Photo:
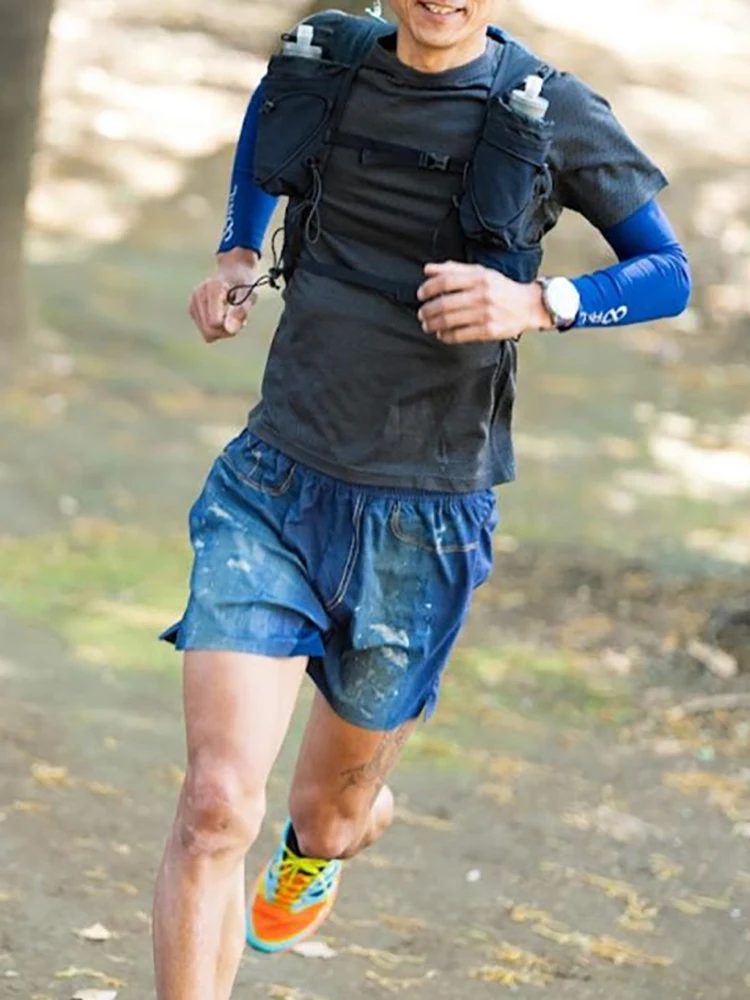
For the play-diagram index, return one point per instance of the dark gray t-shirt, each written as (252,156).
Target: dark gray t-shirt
(353,387)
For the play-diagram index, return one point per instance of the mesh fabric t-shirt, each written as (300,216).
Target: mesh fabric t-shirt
(353,387)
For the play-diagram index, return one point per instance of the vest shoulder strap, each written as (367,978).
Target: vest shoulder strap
(515,64)
(346,38)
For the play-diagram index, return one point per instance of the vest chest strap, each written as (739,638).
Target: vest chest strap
(378,152)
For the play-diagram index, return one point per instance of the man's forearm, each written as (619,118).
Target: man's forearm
(249,209)
(651,281)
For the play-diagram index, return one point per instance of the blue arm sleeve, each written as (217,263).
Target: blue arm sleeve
(250,209)
(651,281)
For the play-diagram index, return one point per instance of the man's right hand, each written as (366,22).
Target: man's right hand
(210,311)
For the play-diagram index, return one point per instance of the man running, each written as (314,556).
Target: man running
(343,532)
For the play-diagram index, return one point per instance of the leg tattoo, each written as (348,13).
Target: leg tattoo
(374,771)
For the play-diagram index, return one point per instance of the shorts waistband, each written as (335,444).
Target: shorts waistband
(371,490)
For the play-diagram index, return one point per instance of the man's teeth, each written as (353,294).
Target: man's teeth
(438,8)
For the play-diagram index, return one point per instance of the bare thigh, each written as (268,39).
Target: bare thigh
(237,712)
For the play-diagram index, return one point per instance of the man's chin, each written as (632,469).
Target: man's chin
(439,39)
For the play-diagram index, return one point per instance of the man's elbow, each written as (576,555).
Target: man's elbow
(683,282)
(678,282)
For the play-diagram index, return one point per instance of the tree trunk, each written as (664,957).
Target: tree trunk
(24,27)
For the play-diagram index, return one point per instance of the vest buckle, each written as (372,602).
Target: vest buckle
(434,161)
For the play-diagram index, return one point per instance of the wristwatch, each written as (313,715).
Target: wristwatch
(562,301)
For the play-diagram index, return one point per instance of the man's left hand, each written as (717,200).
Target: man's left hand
(466,303)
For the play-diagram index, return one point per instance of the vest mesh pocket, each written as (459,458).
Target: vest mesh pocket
(299,97)
(508,173)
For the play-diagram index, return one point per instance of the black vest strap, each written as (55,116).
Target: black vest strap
(378,152)
(399,291)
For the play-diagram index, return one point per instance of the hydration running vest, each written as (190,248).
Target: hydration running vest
(505,180)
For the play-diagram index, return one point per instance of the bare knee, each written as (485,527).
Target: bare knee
(326,829)
(220,811)
(323,828)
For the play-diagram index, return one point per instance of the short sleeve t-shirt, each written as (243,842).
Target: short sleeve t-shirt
(353,387)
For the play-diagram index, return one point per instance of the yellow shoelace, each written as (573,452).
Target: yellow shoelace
(295,877)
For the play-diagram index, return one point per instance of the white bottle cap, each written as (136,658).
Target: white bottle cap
(529,102)
(302,44)
(305,33)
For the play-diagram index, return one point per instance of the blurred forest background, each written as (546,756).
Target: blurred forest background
(578,815)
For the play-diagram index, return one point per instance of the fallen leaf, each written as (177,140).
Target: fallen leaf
(727,793)
(622,827)
(96,873)
(521,914)
(424,822)
(711,903)
(382,958)
(604,947)
(49,776)
(391,985)
(73,972)
(639,912)
(314,949)
(102,788)
(620,953)
(277,991)
(95,995)
(501,975)
(688,907)
(127,887)
(22,806)
(518,968)
(664,869)
(403,925)
(97,932)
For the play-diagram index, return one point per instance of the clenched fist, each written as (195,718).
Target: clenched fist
(466,303)
(210,306)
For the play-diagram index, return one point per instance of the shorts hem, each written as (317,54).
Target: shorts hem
(425,711)
(269,646)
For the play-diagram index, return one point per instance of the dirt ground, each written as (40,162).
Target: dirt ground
(556,829)
(575,822)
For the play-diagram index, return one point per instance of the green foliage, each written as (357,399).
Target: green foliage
(107,589)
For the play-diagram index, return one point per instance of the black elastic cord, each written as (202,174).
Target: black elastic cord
(240,293)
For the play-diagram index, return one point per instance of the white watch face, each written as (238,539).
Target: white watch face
(563,299)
